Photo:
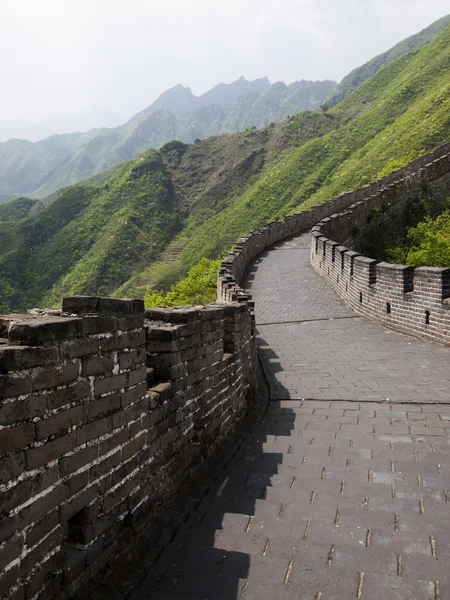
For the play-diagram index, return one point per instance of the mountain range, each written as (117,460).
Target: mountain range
(38,169)
(34,131)
(143,224)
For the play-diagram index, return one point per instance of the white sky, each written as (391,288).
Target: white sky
(79,56)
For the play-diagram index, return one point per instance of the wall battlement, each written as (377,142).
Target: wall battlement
(411,300)
(433,166)
(106,412)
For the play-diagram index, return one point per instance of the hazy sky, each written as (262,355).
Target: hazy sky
(77,56)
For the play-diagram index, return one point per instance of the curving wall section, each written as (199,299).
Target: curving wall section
(411,300)
(107,412)
(433,167)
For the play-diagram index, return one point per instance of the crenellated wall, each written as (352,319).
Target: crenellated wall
(411,300)
(433,167)
(106,412)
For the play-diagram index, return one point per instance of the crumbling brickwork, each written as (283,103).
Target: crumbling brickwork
(106,412)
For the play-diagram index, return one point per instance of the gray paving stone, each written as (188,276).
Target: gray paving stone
(344,490)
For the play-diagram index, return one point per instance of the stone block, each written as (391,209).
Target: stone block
(15,385)
(13,358)
(42,455)
(101,305)
(67,395)
(34,332)
(59,423)
(22,410)
(103,405)
(10,551)
(53,377)
(12,466)
(97,366)
(40,529)
(77,460)
(15,438)
(79,348)
(110,384)
(93,430)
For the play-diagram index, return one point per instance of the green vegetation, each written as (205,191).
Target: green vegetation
(363,73)
(90,238)
(426,244)
(400,113)
(15,210)
(141,226)
(198,287)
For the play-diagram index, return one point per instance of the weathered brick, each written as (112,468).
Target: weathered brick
(12,466)
(40,456)
(103,405)
(14,438)
(10,551)
(105,466)
(78,459)
(74,561)
(114,440)
(137,338)
(36,331)
(133,322)
(79,348)
(22,410)
(46,504)
(110,384)
(59,423)
(37,531)
(137,376)
(102,305)
(97,365)
(58,535)
(133,395)
(13,358)
(7,580)
(93,430)
(72,393)
(74,505)
(117,341)
(15,385)
(133,447)
(132,357)
(94,324)
(48,378)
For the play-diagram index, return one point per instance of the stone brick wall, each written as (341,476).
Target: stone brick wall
(413,301)
(106,412)
(434,166)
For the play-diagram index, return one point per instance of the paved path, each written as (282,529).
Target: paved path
(318,348)
(328,499)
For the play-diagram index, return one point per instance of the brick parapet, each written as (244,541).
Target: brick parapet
(434,166)
(106,412)
(413,301)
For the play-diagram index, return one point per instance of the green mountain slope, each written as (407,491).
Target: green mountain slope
(143,224)
(361,74)
(90,237)
(23,164)
(400,113)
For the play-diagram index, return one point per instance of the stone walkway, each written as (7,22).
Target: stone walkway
(344,494)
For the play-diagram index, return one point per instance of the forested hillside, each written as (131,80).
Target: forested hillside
(143,224)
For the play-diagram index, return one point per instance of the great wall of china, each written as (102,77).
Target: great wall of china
(109,411)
